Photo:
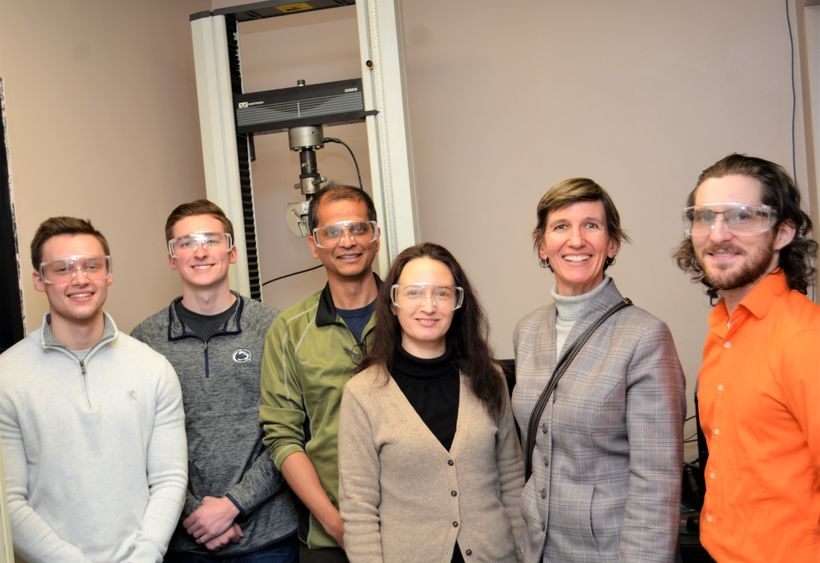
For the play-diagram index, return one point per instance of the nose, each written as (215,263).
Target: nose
(428,303)
(347,239)
(200,251)
(575,238)
(719,230)
(79,275)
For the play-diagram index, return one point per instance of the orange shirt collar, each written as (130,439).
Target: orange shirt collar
(758,301)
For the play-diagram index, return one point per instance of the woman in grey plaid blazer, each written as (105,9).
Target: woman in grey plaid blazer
(606,465)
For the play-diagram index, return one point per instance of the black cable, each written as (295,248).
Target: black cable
(794,92)
(361,187)
(353,156)
(291,274)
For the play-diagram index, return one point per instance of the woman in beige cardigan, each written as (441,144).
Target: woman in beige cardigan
(430,466)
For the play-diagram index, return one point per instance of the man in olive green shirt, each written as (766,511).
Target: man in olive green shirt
(311,351)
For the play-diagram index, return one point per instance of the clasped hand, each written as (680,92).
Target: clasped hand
(212,524)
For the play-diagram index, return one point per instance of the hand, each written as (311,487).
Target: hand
(212,519)
(234,534)
(335,528)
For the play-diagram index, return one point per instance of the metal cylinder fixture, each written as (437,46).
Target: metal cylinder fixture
(305,137)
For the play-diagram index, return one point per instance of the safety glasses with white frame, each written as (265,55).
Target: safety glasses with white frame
(362,232)
(186,245)
(741,219)
(63,270)
(413,296)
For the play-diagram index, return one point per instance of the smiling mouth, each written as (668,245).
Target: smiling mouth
(576,258)
(352,256)
(722,253)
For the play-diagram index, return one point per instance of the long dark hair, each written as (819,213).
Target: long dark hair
(467,336)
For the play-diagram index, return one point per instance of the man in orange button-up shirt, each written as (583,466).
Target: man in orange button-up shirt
(759,384)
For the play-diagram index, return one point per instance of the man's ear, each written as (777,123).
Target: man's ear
(39,284)
(785,235)
(313,247)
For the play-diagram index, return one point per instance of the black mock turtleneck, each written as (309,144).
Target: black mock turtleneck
(431,386)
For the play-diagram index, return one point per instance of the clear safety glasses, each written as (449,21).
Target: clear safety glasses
(65,269)
(362,232)
(415,295)
(740,219)
(188,244)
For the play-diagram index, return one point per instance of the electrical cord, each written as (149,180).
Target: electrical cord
(794,90)
(292,274)
(353,156)
(361,187)
(812,289)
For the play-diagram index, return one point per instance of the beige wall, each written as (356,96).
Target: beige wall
(508,98)
(505,99)
(102,124)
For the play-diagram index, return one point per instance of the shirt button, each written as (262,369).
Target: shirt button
(543,493)
(709,518)
(450,462)
(546,461)
(544,427)
(720,387)
(727,344)
(455,524)
(543,527)
(468,553)
(453,494)
(712,475)
(716,431)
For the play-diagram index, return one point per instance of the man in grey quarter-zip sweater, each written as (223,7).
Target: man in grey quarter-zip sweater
(237,504)
(91,420)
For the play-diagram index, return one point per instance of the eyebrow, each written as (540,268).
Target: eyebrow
(583,220)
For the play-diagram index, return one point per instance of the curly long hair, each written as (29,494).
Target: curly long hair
(467,336)
(779,192)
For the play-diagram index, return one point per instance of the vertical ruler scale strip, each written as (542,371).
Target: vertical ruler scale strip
(243,142)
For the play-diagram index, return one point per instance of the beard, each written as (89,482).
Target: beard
(757,264)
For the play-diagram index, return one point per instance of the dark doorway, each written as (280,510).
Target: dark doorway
(11,311)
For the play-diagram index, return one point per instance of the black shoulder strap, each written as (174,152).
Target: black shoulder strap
(560,368)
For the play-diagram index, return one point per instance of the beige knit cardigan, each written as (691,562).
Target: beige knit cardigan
(403,497)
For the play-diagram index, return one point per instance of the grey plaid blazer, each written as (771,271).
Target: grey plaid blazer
(608,455)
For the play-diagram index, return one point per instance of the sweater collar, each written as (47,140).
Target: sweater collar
(573,307)
(326,312)
(177,329)
(422,368)
(48,340)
